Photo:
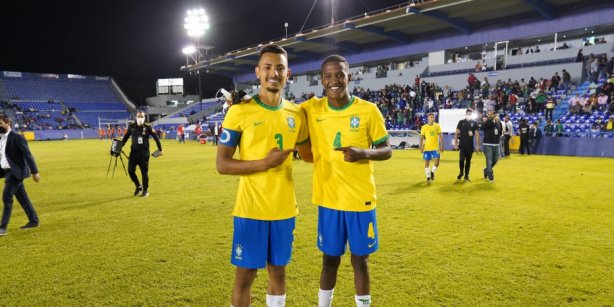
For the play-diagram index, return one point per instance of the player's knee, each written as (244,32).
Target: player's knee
(360,263)
(330,262)
(245,278)
(277,272)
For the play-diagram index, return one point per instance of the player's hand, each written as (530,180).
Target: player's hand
(36,177)
(276,157)
(455,147)
(352,154)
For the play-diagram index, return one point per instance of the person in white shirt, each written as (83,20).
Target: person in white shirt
(508,132)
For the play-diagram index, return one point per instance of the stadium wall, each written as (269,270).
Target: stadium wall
(47,135)
(573,146)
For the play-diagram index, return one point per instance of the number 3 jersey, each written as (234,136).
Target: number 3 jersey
(257,128)
(337,184)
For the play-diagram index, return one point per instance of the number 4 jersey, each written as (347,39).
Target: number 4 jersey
(340,185)
(257,128)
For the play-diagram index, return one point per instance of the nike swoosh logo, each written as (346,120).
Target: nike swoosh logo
(371,244)
(257,123)
(320,119)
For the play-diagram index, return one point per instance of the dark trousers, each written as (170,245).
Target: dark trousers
(506,144)
(524,146)
(14,187)
(549,114)
(143,163)
(464,163)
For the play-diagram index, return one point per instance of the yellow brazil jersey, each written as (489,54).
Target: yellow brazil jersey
(266,195)
(340,185)
(431,135)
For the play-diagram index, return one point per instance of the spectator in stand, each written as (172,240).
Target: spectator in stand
(550,105)
(549,129)
(602,101)
(596,127)
(554,82)
(566,80)
(603,61)
(472,81)
(609,125)
(587,66)
(540,100)
(559,128)
(594,67)
(610,67)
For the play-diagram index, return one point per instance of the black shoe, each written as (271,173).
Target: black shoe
(459,176)
(138,190)
(485,175)
(145,193)
(29,225)
(428,179)
(433,176)
(491,179)
(2,231)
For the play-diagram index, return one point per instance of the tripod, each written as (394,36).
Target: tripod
(121,159)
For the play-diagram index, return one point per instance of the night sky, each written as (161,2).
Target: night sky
(138,41)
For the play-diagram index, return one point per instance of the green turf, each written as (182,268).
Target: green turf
(541,235)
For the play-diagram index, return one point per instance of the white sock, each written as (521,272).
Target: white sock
(428,172)
(434,168)
(362,300)
(275,300)
(325,297)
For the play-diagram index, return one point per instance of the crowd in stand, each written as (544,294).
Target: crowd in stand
(34,119)
(404,106)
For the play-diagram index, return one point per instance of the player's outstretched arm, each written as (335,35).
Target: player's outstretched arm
(227,165)
(353,154)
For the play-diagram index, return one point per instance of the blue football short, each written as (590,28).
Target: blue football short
(256,242)
(430,155)
(337,228)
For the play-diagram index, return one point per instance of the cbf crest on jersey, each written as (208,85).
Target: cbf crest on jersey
(291,122)
(354,121)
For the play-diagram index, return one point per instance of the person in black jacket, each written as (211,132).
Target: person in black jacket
(139,151)
(466,132)
(16,164)
(492,133)
(523,129)
(535,134)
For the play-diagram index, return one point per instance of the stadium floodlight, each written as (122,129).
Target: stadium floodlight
(196,22)
(189,50)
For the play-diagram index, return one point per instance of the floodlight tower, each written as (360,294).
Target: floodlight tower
(196,23)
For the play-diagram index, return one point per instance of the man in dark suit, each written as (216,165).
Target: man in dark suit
(16,164)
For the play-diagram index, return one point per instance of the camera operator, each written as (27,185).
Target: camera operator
(139,151)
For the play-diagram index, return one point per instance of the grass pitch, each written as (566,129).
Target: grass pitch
(541,235)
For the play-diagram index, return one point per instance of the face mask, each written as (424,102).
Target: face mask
(140,121)
(468,117)
(3,130)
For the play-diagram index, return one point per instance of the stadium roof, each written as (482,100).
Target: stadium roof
(400,25)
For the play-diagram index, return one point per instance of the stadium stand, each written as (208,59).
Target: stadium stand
(56,102)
